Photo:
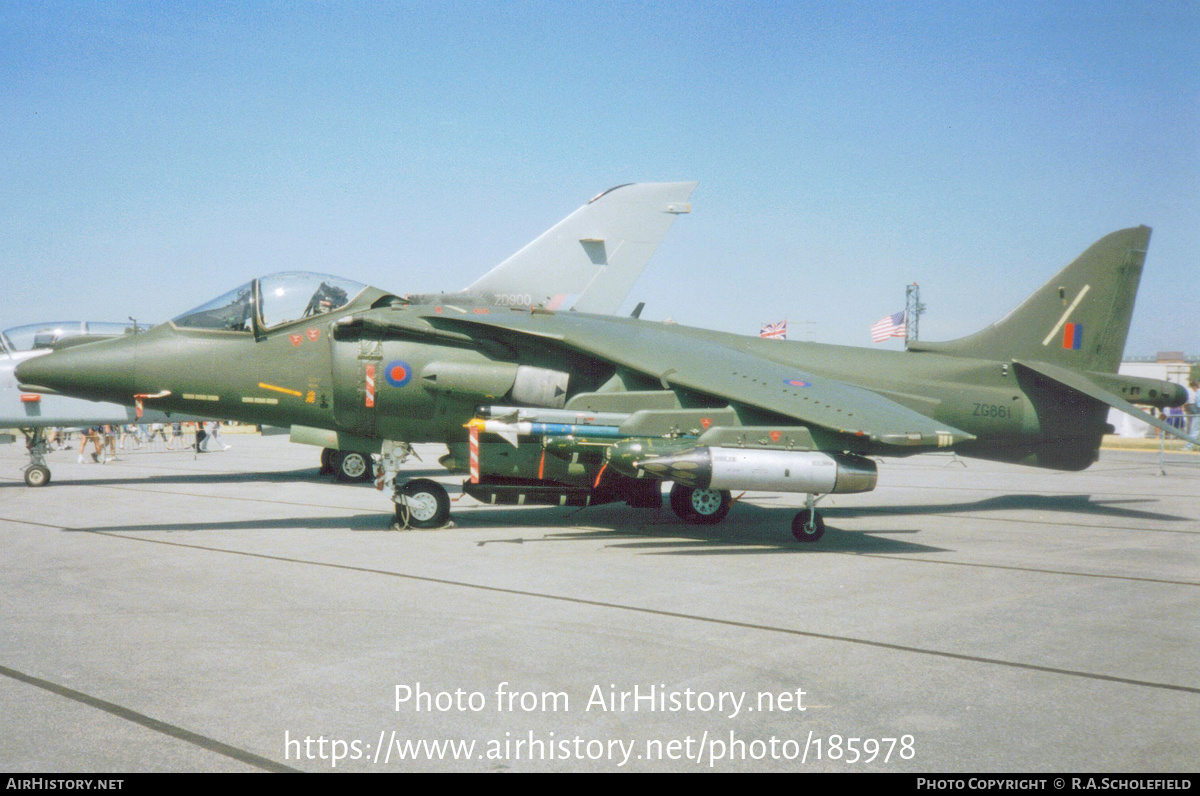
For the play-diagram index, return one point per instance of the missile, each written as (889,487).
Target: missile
(540,415)
(510,430)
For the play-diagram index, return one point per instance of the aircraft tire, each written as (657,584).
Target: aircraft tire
(37,475)
(802,532)
(700,506)
(351,466)
(425,502)
(326,461)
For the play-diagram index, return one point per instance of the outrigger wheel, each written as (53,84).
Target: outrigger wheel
(422,503)
(37,475)
(700,506)
(806,531)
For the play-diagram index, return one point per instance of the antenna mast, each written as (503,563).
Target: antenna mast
(913,308)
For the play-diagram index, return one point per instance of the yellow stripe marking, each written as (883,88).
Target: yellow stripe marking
(283,390)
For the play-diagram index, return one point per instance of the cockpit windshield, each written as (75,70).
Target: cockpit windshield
(297,294)
(231,312)
(284,298)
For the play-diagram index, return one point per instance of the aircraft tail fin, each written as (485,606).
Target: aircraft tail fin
(590,260)
(1078,320)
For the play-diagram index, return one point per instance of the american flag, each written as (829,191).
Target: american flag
(774,331)
(889,326)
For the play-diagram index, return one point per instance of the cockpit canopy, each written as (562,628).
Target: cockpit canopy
(272,301)
(45,335)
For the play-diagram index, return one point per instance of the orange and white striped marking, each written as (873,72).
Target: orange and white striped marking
(473,437)
(370,386)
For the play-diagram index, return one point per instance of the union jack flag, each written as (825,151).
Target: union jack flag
(774,331)
(888,326)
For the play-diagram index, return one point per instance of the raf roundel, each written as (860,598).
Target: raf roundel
(398,373)
(796,383)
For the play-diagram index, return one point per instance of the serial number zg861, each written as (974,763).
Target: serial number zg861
(991,410)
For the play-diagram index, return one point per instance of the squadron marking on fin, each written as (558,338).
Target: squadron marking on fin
(1066,314)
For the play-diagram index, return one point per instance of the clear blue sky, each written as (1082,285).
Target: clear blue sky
(154,155)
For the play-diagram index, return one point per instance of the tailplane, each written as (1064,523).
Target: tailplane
(1078,320)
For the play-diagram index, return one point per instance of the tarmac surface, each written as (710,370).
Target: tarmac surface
(234,611)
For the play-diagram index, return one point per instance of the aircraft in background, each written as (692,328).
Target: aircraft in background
(32,413)
(570,408)
(588,261)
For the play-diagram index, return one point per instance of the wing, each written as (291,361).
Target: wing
(713,364)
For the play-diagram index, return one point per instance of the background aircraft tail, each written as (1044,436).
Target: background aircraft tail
(590,260)
(1078,320)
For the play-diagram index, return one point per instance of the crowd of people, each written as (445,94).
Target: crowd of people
(105,440)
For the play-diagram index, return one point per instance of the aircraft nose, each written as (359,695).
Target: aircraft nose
(100,371)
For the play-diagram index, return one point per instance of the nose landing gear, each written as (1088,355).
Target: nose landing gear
(36,473)
(420,503)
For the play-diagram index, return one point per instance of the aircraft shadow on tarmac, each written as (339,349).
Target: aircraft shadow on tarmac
(754,531)
(1067,504)
(749,529)
(768,538)
(355,522)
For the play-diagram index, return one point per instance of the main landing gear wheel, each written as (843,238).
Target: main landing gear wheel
(422,503)
(803,530)
(326,461)
(700,506)
(351,466)
(37,475)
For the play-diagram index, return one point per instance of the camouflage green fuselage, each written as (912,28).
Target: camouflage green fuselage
(366,373)
(382,368)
